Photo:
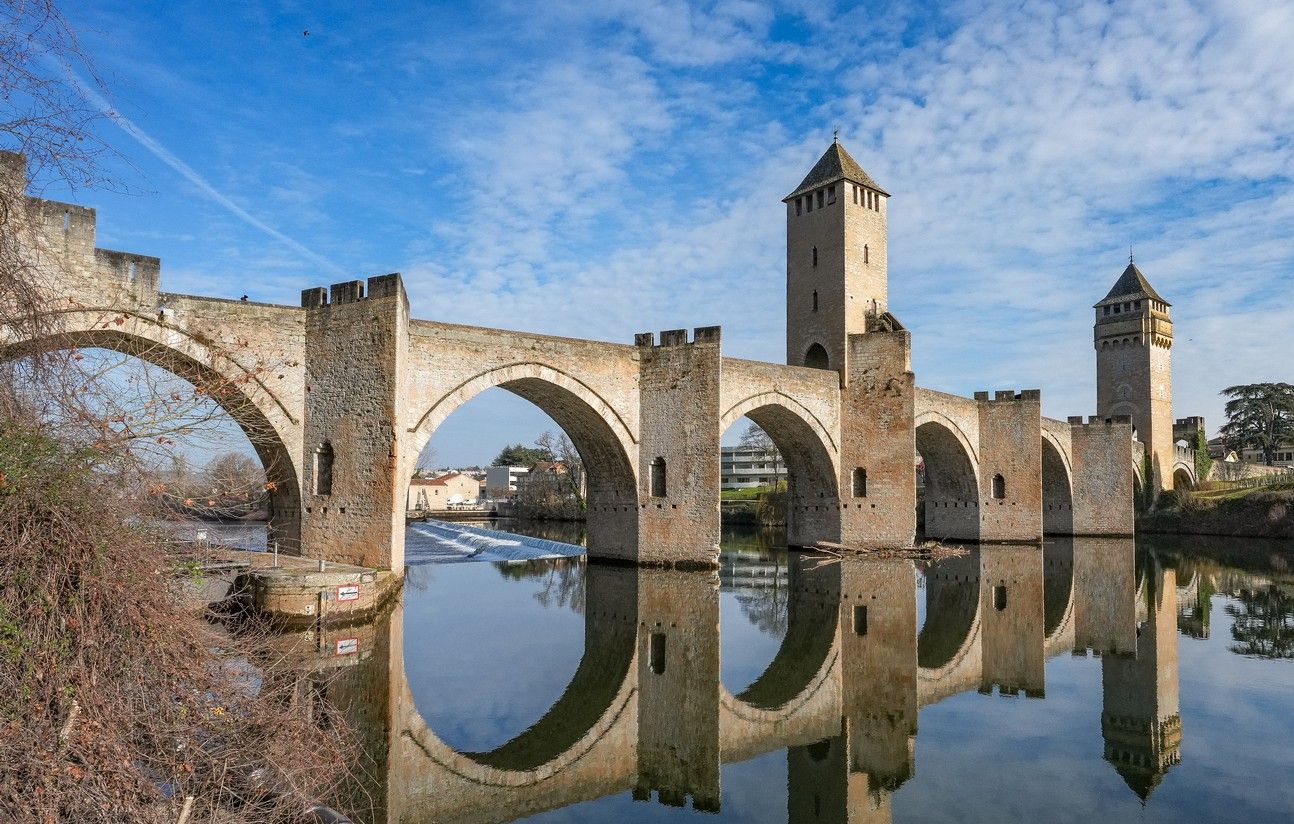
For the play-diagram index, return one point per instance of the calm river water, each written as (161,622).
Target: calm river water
(1088,680)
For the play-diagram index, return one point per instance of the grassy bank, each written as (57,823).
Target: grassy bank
(1266,512)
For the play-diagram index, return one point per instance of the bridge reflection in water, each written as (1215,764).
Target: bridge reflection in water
(646,710)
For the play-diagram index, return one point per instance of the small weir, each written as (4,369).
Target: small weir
(433,541)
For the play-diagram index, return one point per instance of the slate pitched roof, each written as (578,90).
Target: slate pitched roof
(835,164)
(1131,284)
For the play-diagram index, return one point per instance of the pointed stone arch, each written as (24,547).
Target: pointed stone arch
(269,415)
(811,456)
(606,443)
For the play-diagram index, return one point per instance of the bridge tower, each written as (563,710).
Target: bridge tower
(1133,335)
(836,261)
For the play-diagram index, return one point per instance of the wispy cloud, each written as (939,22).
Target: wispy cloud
(192,176)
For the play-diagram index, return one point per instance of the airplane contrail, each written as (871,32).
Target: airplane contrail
(190,174)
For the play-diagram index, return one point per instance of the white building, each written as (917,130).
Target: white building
(503,481)
(744,468)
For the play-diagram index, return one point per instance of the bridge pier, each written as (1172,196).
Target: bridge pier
(1103,482)
(877,442)
(678,455)
(1010,434)
(356,346)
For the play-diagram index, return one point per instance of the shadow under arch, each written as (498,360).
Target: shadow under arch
(1057,490)
(809,451)
(603,440)
(1182,478)
(264,418)
(581,725)
(951,498)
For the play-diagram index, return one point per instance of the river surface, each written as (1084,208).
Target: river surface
(1086,680)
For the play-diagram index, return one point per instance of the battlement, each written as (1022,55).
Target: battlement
(1006,395)
(353,291)
(1097,420)
(678,337)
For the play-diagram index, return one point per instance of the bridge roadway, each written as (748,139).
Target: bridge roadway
(340,394)
(646,709)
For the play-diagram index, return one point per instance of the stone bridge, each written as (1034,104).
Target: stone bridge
(646,709)
(340,394)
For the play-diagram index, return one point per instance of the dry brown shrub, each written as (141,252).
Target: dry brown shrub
(112,697)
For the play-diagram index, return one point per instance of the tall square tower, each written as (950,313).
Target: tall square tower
(1133,335)
(836,260)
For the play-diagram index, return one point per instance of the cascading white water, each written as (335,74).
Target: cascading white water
(438,541)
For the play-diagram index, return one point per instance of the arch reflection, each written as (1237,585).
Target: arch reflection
(646,712)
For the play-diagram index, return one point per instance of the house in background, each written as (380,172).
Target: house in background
(439,493)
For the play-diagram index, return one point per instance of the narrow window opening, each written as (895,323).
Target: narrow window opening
(815,300)
(808,202)
(820,197)
(865,253)
(815,255)
(656,655)
(67,221)
(132,272)
(860,620)
(323,460)
(999,487)
(799,206)
(999,597)
(860,483)
(831,194)
(658,478)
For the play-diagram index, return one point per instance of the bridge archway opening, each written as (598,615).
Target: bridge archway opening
(575,464)
(1057,492)
(947,484)
(816,357)
(775,451)
(1182,479)
(214,452)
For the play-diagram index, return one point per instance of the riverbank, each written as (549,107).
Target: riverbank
(1241,513)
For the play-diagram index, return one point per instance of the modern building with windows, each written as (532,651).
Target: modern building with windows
(745,468)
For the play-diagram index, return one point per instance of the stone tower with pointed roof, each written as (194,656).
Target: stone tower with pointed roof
(1133,335)
(836,262)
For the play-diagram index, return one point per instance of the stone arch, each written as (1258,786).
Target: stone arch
(1183,476)
(605,442)
(951,495)
(270,422)
(1057,489)
(811,456)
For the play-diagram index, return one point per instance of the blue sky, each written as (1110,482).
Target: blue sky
(595,170)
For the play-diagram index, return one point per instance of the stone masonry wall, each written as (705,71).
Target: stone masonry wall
(1011,446)
(679,425)
(876,436)
(355,356)
(1103,484)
